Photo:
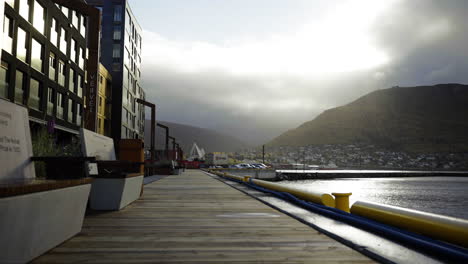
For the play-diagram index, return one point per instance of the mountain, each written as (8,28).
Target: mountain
(415,119)
(185,135)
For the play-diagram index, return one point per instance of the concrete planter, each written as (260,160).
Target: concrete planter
(32,224)
(115,193)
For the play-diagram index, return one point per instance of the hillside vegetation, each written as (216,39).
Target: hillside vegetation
(416,119)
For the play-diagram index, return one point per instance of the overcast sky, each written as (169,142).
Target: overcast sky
(256,68)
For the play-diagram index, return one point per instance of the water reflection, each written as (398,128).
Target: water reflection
(440,195)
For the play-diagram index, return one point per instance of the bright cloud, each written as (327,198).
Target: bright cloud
(339,43)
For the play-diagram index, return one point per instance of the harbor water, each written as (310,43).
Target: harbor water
(440,195)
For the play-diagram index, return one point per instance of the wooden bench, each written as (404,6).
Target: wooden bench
(36,215)
(116,183)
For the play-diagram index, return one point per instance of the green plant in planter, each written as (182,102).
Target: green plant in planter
(45,145)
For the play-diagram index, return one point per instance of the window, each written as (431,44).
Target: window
(4,79)
(34,100)
(78,114)
(61,73)
(71,81)
(24,9)
(54,32)
(128,21)
(39,17)
(117,13)
(70,110)
(81,56)
(64,10)
(60,104)
(36,55)
(52,66)
(79,92)
(83,26)
(117,32)
(21,47)
(19,87)
(7,34)
(50,101)
(116,51)
(73,50)
(126,75)
(11,3)
(75,19)
(63,41)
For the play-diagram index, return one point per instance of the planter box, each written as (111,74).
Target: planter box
(31,224)
(115,193)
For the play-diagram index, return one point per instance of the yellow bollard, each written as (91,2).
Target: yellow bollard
(342,201)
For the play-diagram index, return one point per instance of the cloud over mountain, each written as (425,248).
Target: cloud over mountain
(256,88)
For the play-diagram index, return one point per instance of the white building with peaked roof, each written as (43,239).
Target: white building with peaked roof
(196,152)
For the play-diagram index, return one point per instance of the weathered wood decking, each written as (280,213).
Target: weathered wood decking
(194,218)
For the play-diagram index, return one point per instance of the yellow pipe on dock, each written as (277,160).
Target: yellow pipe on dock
(445,228)
(315,197)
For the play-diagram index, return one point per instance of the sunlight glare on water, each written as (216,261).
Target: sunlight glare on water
(439,195)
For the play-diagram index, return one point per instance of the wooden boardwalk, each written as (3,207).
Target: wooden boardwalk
(193,218)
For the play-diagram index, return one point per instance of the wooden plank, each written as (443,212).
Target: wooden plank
(193,218)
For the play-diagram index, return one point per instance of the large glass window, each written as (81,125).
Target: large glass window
(83,26)
(75,19)
(116,51)
(19,87)
(52,66)
(60,104)
(117,13)
(24,9)
(64,11)
(50,101)
(4,79)
(21,47)
(78,114)
(54,32)
(117,32)
(36,55)
(81,56)
(128,21)
(39,17)
(34,100)
(79,81)
(125,77)
(63,41)
(71,81)
(7,34)
(73,50)
(61,73)
(70,110)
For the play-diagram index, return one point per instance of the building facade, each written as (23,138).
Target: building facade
(121,44)
(43,62)
(104,102)
(216,158)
